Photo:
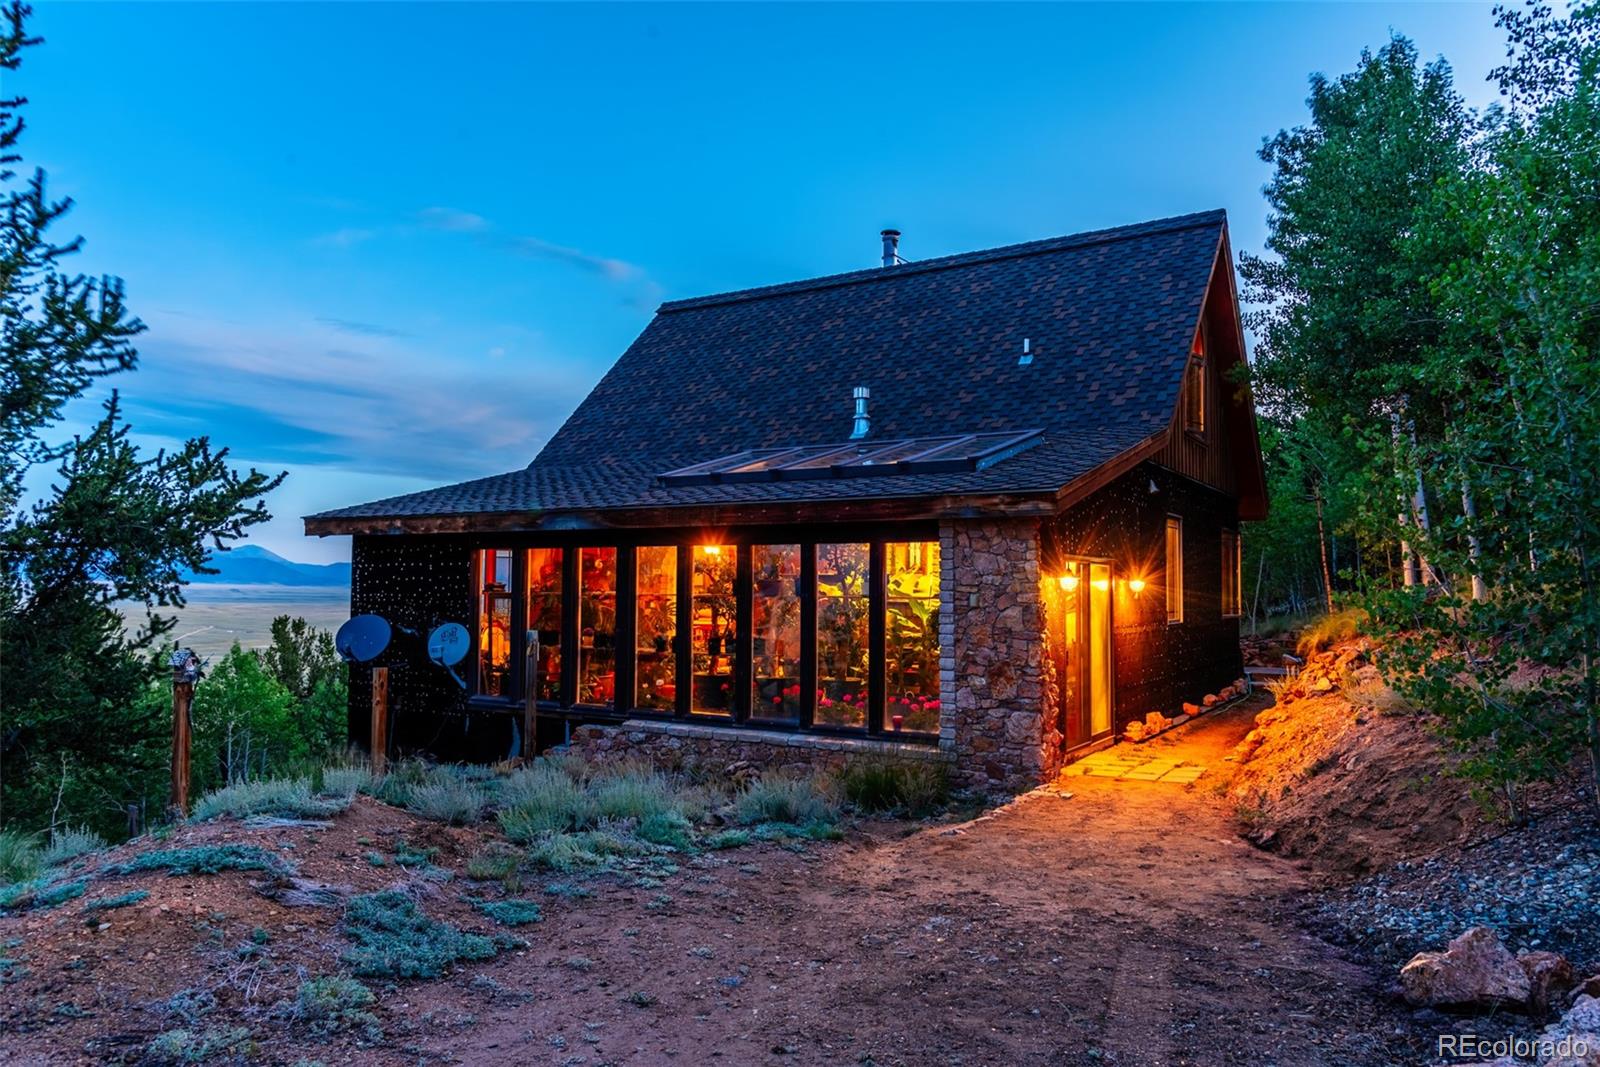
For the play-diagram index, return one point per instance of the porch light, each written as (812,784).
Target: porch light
(1069,582)
(1135,586)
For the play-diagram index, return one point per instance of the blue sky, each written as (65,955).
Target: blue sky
(384,247)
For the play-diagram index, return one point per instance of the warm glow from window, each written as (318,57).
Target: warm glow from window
(1102,584)
(711,550)
(1174,564)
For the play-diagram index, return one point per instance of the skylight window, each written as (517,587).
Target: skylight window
(857,459)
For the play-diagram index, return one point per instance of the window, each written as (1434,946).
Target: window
(494,622)
(713,621)
(544,619)
(843,615)
(775,632)
(1174,569)
(597,626)
(655,629)
(1232,594)
(912,637)
(1194,389)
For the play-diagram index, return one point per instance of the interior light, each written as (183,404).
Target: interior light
(711,550)
(1068,582)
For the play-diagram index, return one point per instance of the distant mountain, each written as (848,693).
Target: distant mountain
(254,565)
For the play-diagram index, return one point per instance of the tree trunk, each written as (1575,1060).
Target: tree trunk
(1469,509)
(1408,560)
(1322,546)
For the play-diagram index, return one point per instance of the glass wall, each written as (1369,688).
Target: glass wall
(843,615)
(911,657)
(494,622)
(775,628)
(713,621)
(597,626)
(544,618)
(655,627)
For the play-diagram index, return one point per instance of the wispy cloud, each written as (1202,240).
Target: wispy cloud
(363,329)
(451,220)
(347,237)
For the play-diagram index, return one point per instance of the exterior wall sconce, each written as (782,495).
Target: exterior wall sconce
(1069,582)
(1135,586)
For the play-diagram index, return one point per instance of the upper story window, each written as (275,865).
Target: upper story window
(1194,388)
(1174,569)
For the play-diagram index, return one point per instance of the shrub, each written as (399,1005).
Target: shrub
(187,1046)
(513,912)
(785,798)
(405,775)
(121,900)
(345,781)
(205,859)
(394,939)
(336,1003)
(1329,630)
(633,793)
(283,797)
(541,799)
(493,863)
(447,800)
(728,839)
(560,852)
(40,893)
(667,828)
(19,856)
(918,789)
(69,844)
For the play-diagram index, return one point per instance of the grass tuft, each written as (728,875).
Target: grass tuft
(205,859)
(287,798)
(917,789)
(69,844)
(513,912)
(1329,630)
(19,856)
(786,799)
(394,939)
(448,800)
(122,900)
(189,1046)
(335,1004)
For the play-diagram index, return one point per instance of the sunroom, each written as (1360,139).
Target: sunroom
(837,636)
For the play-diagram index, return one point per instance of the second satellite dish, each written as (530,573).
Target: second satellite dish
(448,645)
(362,638)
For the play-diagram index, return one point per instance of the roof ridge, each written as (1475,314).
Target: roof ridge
(1170,224)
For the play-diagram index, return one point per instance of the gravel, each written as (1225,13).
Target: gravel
(1538,887)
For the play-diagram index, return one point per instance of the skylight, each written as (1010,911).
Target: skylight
(949,453)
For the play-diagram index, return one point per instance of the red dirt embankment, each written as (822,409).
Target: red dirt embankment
(1341,772)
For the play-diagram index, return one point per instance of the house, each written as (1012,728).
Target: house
(981,509)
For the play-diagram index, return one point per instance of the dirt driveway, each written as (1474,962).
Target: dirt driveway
(1123,924)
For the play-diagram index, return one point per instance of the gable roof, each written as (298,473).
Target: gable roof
(1109,315)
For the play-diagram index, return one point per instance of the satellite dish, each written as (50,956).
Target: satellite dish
(362,638)
(447,645)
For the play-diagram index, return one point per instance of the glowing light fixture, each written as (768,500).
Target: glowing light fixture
(711,550)
(1068,582)
(1136,586)
(1102,584)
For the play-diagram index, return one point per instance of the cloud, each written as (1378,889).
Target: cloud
(452,221)
(348,237)
(364,329)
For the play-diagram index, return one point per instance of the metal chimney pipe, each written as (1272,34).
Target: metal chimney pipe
(891,247)
(863,421)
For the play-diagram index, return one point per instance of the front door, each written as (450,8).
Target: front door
(1078,609)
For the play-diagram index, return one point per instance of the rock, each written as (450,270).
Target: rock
(1135,731)
(1549,975)
(1575,1040)
(1589,987)
(1191,709)
(1475,971)
(1321,685)
(1211,700)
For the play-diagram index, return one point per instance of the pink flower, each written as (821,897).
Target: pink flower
(777,700)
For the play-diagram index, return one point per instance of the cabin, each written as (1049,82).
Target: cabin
(982,509)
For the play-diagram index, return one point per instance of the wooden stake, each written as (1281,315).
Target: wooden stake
(380,719)
(530,697)
(182,698)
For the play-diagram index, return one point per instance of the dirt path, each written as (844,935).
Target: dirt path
(1125,924)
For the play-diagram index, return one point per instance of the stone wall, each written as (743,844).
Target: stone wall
(996,682)
(676,745)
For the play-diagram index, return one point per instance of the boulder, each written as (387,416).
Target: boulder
(1589,987)
(1475,971)
(1191,709)
(1575,1040)
(1211,700)
(1134,731)
(1549,975)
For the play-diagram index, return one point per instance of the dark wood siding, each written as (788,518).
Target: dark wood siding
(1204,457)
(1157,666)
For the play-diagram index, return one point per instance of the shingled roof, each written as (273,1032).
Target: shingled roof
(1109,315)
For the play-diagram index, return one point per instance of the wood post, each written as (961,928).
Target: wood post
(380,720)
(182,699)
(530,696)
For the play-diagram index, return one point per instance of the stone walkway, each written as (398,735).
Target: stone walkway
(1138,763)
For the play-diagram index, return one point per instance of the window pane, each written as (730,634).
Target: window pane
(544,618)
(494,622)
(912,666)
(713,618)
(597,626)
(655,626)
(1230,573)
(1174,568)
(842,640)
(1099,648)
(775,679)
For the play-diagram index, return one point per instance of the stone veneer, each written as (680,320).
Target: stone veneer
(995,679)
